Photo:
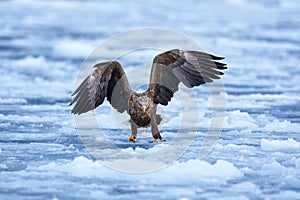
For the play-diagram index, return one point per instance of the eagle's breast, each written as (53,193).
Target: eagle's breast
(141,118)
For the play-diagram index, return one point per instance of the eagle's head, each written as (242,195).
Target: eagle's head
(143,103)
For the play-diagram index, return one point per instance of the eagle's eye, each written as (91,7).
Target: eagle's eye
(143,104)
(140,104)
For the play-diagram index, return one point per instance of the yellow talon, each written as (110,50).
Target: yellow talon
(131,138)
(155,140)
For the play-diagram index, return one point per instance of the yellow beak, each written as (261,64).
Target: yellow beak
(144,109)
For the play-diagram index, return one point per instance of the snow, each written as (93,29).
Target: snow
(297,163)
(278,145)
(44,155)
(12,101)
(240,120)
(285,125)
(221,171)
(73,48)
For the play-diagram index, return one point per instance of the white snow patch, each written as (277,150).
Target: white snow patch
(73,48)
(276,145)
(239,120)
(263,119)
(3,166)
(237,2)
(198,169)
(246,187)
(178,193)
(291,4)
(106,121)
(288,194)
(276,169)
(183,172)
(273,168)
(52,107)
(12,101)
(282,126)
(297,163)
(30,118)
(31,61)
(38,66)
(140,165)
(175,123)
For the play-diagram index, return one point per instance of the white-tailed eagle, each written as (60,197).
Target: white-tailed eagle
(108,79)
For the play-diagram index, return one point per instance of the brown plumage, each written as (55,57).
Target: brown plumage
(108,79)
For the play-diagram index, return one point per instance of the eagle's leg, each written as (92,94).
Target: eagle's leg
(155,132)
(133,131)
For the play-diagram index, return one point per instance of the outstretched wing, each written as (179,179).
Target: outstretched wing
(192,68)
(107,80)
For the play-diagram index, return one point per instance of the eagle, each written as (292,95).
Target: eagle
(108,80)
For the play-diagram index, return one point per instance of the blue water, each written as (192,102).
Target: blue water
(257,156)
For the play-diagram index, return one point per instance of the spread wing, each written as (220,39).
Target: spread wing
(107,80)
(192,68)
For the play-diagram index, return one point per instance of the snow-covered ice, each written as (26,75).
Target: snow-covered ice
(277,145)
(257,155)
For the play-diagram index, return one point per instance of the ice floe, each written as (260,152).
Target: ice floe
(280,145)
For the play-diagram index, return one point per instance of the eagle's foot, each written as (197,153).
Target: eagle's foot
(157,137)
(156,140)
(131,138)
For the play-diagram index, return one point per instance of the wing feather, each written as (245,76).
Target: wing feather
(108,80)
(192,68)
